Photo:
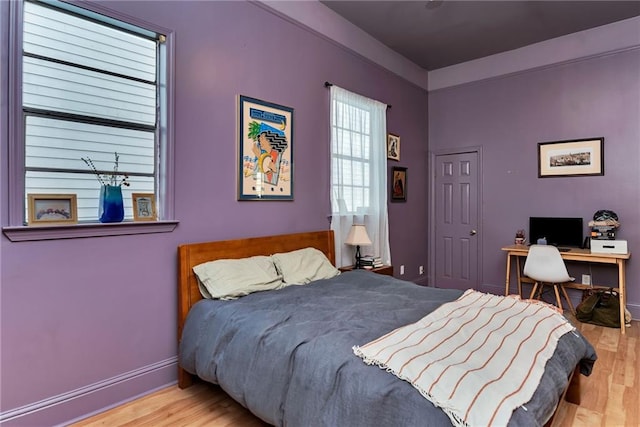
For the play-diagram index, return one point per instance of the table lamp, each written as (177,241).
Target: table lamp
(358,236)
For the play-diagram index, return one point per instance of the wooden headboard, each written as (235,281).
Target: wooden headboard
(192,254)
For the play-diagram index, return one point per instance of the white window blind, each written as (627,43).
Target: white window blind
(90,89)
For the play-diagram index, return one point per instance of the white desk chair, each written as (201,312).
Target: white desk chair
(545,265)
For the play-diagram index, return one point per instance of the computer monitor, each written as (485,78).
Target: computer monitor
(562,232)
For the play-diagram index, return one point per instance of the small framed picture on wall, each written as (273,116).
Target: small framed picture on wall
(399,184)
(393,147)
(580,157)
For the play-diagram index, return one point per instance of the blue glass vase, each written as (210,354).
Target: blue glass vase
(111,207)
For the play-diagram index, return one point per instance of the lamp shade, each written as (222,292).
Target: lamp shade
(358,236)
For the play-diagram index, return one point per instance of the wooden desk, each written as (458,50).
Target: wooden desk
(580,255)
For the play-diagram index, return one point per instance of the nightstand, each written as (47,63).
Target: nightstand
(385,269)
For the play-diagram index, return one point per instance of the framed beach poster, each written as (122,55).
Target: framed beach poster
(265,150)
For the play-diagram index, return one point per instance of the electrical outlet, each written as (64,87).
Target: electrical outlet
(586,279)
(402,270)
(421,270)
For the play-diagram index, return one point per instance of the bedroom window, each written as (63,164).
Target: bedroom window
(358,172)
(88,86)
(351,156)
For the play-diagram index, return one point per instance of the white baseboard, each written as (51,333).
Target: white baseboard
(80,403)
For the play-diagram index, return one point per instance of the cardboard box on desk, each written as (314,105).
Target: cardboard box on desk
(609,246)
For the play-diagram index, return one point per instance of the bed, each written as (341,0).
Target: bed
(288,355)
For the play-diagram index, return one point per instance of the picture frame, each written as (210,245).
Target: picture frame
(265,150)
(579,157)
(393,147)
(399,184)
(144,206)
(52,209)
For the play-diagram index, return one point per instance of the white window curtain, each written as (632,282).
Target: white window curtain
(359,173)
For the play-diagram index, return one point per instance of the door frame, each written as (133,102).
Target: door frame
(431,227)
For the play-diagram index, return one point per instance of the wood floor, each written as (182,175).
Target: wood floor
(610,396)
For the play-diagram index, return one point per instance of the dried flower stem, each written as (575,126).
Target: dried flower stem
(89,163)
(109,178)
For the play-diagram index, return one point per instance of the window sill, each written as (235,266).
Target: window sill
(76,231)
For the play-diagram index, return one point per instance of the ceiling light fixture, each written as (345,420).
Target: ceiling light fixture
(432,4)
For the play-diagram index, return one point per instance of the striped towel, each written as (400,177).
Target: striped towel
(478,357)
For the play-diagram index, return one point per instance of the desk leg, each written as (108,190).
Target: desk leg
(519,276)
(506,288)
(623,294)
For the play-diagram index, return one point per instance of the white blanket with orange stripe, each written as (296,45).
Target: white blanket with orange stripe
(478,357)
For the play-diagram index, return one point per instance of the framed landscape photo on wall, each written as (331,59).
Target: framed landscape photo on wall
(580,157)
(265,150)
(49,209)
(393,147)
(399,184)
(144,206)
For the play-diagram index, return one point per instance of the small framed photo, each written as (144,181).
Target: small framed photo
(393,147)
(144,206)
(47,209)
(399,184)
(580,157)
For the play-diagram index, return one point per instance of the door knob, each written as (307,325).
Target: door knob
(473,233)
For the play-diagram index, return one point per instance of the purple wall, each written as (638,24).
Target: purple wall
(508,116)
(101,312)
(96,317)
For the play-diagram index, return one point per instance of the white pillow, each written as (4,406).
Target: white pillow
(303,266)
(233,278)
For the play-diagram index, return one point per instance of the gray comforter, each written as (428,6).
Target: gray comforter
(287,355)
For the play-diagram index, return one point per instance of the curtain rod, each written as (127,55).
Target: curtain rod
(328,84)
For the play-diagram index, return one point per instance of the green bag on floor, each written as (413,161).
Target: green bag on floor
(601,308)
